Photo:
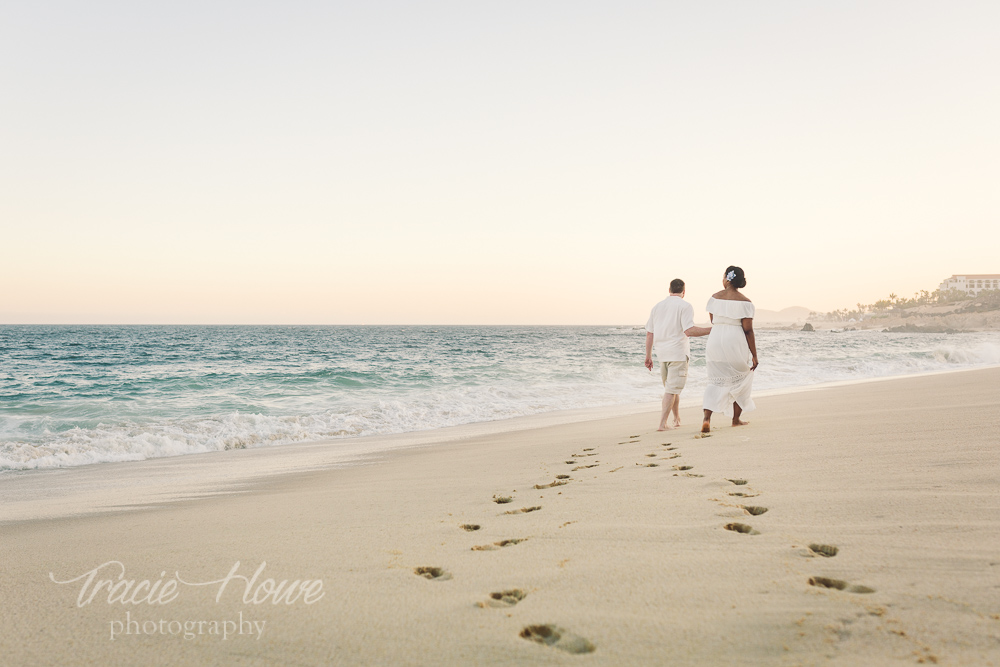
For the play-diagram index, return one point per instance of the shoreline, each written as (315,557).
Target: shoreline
(111,487)
(160,418)
(629,555)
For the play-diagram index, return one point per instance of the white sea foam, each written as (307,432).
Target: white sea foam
(554,376)
(136,441)
(985,354)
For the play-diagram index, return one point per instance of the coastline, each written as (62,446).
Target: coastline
(632,560)
(110,487)
(83,406)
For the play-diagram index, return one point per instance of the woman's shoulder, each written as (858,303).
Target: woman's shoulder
(725,296)
(739,308)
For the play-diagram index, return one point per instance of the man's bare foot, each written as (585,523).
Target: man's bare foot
(737,422)
(706,427)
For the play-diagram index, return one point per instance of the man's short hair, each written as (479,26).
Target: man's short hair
(676,286)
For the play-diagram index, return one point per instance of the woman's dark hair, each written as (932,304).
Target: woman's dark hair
(739,281)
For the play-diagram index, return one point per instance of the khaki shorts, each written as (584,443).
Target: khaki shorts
(674,375)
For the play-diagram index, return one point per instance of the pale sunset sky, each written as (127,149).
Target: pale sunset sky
(488,163)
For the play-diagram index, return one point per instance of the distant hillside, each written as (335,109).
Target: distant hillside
(931,312)
(784,316)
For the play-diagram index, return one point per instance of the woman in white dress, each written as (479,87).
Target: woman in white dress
(731,351)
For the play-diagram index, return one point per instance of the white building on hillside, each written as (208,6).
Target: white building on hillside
(972,284)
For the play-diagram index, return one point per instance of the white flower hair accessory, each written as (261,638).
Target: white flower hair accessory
(730,276)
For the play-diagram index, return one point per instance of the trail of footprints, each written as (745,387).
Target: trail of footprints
(823,550)
(548,634)
(559,638)
(545,634)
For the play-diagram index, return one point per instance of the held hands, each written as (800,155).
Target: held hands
(649,362)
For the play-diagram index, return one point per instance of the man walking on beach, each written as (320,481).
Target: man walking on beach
(670,324)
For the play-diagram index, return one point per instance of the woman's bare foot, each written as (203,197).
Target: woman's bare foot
(737,422)
(706,422)
(664,427)
(677,423)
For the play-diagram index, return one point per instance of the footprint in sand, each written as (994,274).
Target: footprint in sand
(432,573)
(754,510)
(563,477)
(500,544)
(825,550)
(558,482)
(588,449)
(737,482)
(648,465)
(741,528)
(670,449)
(504,598)
(511,542)
(740,494)
(556,637)
(634,436)
(569,462)
(653,454)
(524,510)
(592,465)
(470,526)
(823,582)
(502,500)
(683,467)
(674,456)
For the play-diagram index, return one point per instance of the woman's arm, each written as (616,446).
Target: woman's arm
(751,340)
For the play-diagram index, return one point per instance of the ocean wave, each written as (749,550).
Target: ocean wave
(132,441)
(284,389)
(985,354)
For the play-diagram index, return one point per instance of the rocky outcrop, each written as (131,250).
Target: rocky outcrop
(916,328)
(924,323)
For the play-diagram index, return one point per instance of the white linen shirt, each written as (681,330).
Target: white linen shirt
(668,321)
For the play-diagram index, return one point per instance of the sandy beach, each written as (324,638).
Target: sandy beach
(847,525)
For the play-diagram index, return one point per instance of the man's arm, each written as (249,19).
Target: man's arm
(687,321)
(649,350)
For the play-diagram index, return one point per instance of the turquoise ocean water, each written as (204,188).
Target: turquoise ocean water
(74,395)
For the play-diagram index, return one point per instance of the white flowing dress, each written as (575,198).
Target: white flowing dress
(728,358)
